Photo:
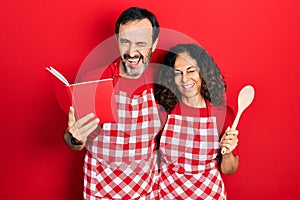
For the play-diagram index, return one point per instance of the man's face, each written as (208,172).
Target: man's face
(135,45)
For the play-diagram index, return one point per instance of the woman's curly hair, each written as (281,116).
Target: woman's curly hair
(213,86)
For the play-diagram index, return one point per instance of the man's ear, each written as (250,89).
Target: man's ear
(154,45)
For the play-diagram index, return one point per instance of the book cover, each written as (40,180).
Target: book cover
(86,97)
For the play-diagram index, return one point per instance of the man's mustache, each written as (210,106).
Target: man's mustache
(127,56)
(139,56)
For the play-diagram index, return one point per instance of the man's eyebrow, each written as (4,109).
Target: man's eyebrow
(141,42)
(124,40)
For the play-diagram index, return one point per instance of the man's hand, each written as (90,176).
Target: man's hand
(80,129)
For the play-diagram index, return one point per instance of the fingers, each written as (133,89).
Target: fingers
(224,149)
(230,137)
(87,129)
(231,131)
(83,127)
(229,140)
(84,120)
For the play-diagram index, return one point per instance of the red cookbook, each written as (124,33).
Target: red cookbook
(86,97)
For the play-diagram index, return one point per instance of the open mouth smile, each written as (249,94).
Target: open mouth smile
(132,61)
(188,86)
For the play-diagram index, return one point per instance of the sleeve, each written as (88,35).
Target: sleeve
(163,115)
(230,116)
(225,117)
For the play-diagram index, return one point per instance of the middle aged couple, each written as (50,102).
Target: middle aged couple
(167,138)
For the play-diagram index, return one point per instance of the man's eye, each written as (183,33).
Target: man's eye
(192,70)
(177,73)
(124,41)
(141,44)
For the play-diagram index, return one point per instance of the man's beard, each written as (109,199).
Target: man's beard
(136,71)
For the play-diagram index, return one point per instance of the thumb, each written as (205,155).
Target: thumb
(71,116)
(228,129)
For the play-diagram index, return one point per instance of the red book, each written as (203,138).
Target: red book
(86,97)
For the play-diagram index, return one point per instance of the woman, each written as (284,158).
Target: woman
(191,89)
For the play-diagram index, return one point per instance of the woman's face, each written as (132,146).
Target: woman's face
(187,76)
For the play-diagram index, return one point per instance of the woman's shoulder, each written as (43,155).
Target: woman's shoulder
(223,110)
(225,116)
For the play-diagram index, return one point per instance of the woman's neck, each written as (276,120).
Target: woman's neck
(196,101)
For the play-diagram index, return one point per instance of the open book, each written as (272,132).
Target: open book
(86,97)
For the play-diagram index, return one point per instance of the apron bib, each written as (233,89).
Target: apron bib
(121,162)
(189,168)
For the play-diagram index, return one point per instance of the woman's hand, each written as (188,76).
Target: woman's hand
(229,140)
(230,162)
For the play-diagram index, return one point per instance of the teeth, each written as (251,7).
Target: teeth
(133,61)
(188,86)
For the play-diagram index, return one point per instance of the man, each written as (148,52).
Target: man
(121,162)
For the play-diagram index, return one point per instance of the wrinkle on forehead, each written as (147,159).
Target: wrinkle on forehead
(136,24)
(184,60)
(136,31)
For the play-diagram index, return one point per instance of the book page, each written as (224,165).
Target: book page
(58,75)
(90,82)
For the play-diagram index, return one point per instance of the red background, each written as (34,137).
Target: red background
(253,42)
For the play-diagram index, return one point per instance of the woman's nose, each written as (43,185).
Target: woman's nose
(184,77)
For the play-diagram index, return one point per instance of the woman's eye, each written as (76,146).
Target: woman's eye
(191,69)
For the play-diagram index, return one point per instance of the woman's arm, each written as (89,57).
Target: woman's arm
(229,161)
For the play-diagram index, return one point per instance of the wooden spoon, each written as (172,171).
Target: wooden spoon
(245,98)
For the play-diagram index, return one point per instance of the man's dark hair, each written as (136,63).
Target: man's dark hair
(135,13)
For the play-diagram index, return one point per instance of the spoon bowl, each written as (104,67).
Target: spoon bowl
(245,98)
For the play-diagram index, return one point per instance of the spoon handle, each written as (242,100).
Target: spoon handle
(236,120)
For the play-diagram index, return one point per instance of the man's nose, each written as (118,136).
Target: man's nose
(132,50)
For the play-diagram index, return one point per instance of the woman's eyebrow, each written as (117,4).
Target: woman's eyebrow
(190,67)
